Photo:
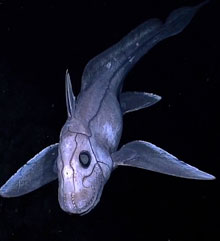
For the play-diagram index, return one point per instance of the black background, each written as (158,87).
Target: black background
(39,40)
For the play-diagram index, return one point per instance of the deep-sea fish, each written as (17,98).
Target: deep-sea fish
(87,151)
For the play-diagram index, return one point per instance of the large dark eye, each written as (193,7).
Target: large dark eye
(84,158)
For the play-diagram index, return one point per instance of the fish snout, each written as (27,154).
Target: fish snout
(67,202)
(77,202)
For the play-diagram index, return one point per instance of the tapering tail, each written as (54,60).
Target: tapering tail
(113,64)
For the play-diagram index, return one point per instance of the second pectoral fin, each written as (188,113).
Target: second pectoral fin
(145,155)
(35,173)
(132,101)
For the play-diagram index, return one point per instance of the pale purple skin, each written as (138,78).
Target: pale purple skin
(97,133)
(98,111)
(94,125)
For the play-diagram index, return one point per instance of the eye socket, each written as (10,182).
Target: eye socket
(84,159)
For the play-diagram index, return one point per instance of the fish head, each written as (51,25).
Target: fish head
(81,175)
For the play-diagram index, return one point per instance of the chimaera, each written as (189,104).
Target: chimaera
(87,151)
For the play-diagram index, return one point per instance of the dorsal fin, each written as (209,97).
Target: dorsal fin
(70,98)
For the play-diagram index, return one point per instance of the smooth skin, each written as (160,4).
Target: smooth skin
(87,151)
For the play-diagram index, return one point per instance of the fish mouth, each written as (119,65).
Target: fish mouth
(77,203)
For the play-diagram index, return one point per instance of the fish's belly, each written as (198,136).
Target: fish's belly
(107,125)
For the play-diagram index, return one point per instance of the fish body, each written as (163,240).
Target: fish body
(87,151)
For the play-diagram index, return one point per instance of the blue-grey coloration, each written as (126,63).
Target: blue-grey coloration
(87,151)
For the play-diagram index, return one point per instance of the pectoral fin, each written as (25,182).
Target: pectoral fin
(34,174)
(132,101)
(145,155)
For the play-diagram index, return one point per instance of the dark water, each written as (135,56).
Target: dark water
(39,40)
